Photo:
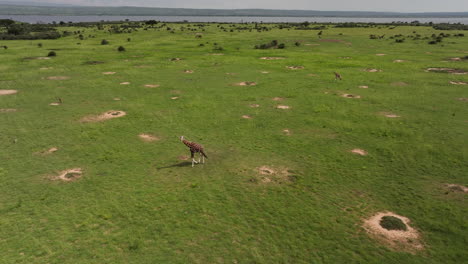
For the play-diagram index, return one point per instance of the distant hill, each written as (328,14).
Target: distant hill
(9,9)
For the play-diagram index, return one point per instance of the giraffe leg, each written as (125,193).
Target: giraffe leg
(193,159)
(199,158)
(203,158)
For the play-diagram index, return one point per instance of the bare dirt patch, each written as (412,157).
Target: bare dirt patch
(277,99)
(7,110)
(104,116)
(48,151)
(152,85)
(447,70)
(398,61)
(188,71)
(295,67)
(176,59)
(8,92)
(389,115)
(372,70)
(254,105)
(380,54)
(148,137)
(272,58)
(312,75)
(246,84)
(359,152)
(458,83)
(109,73)
(183,157)
(287,132)
(283,107)
(463,99)
(264,72)
(399,84)
(402,240)
(58,78)
(217,54)
(272,175)
(116,99)
(363,86)
(351,96)
(124,83)
(246,117)
(174,98)
(69,175)
(45,68)
(457,188)
(55,104)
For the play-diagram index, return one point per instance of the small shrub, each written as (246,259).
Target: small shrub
(129,39)
(5,47)
(297,44)
(52,54)
(104,42)
(281,46)
(392,223)
(39,45)
(432,42)
(399,40)
(121,49)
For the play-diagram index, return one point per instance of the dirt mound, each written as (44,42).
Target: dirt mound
(174,98)
(272,58)
(351,96)
(246,84)
(152,85)
(45,68)
(246,117)
(398,61)
(125,83)
(283,107)
(380,54)
(287,132)
(458,83)
(270,175)
(389,115)
(363,86)
(188,71)
(7,110)
(109,73)
(295,67)
(359,152)
(399,84)
(104,116)
(148,137)
(7,92)
(69,175)
(447,70)
(457,188)
(58,78)
(405,240)
(372,70)
(254,105)
(277,99)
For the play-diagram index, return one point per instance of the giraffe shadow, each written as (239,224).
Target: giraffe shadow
(177,165)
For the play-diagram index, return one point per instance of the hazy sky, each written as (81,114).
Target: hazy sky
(332,5)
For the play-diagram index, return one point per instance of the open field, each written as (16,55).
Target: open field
(281,184)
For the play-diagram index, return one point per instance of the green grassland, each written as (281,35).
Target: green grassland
(137,202)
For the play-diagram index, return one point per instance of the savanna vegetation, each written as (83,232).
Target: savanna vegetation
(92,169)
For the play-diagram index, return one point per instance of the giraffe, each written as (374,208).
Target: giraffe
(194,148)
(337,76)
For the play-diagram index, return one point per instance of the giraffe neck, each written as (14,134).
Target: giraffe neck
(186,143)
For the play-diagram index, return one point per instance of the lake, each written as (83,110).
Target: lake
(230,19)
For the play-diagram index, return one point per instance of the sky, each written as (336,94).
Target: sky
(326,5)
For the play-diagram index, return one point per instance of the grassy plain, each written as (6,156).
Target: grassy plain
(137,202)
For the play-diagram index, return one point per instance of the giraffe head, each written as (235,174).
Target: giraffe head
(181,138)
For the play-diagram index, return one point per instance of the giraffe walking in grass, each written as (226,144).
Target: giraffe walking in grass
(194,148)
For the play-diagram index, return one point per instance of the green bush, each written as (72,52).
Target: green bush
(121,49)
(392,223)
(52,54)
(104,42)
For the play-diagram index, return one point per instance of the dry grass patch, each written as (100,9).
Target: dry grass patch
(7,92)
(36,58)
(389,114)
(380,54)
(148,137)
(69,175)
(402,240)
(272,175)
(399,84)
(7,110)
(124,83)
(174,98)
(277,99)
(246,117)
(264,72)
(116,99)
(46,68)
(109,73)
(458,83)
(398,61)
(188,71)
(104,116)
(463,99)
(457,188)
(447,70)
(254,105)
(58,78)
(55,104)
(183,157)
(363,86)
(287,132)
(272,58)
(295,67)
(283,107)
(176,59)
(372,70)
(351,96)
(217,54)
(48,151)
(359,152)
(152,85)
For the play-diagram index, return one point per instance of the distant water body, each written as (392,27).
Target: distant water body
(231,19)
